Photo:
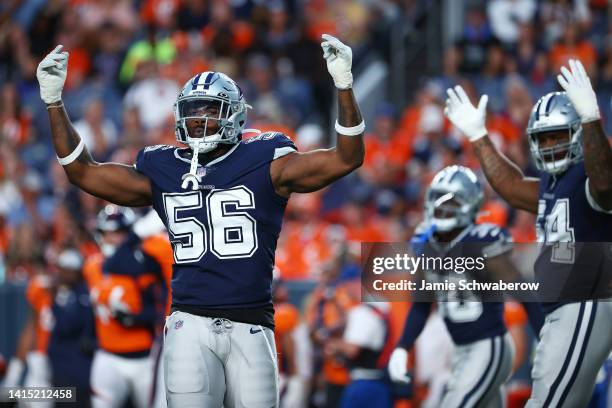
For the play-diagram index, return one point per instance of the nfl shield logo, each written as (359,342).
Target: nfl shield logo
(201,172)
(178,325)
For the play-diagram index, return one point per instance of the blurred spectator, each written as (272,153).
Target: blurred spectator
(98,132)
(475,38)
(160,13)
(555,16)
(518,103)
(25,253)
(94,13)
(227,36)
(153,50)
(571,45)
(491,81)
(431,145)
(107,59)
(280,33)
(388,148)
(15,121)
(326,312)
(365,345)
(152,97)
(193,14)
(73,340)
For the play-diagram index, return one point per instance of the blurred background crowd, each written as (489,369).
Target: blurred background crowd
(129,59)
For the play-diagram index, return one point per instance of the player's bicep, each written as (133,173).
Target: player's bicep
(306,172)
(118,183)
(527,194)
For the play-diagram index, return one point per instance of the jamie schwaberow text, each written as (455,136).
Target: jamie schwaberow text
(446,285)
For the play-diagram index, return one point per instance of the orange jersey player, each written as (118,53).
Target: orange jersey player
(34,338)
(125,285)
(293,349)
(158,247)
(326,311)
(39,297)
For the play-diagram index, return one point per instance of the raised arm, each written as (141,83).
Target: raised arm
(117,183)
(597,150)
(503,175)
(311,171)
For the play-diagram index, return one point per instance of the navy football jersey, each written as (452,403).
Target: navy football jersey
(571,264)
(467,317)
(224,234)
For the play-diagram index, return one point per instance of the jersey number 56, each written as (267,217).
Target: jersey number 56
(230,229)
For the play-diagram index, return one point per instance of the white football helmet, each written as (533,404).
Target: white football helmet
(554,112)
(202,91)
(456,183)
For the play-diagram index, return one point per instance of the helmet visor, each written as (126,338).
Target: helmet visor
(200,108)
(203,116)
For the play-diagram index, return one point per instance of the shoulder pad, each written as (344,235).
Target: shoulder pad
(276,137)
(142,159)
(158,147)
(496,240)
(487,232)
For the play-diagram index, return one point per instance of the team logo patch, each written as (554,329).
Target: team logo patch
(178,325)
(201,172)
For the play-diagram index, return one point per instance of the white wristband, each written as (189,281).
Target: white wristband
(350,131)
(64,161)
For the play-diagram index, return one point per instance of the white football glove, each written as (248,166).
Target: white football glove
(115,301)
(148,225)
(339,58)
(577,85)
(14,371)
(295,392)
(470,120)
(51,74)
(398,366)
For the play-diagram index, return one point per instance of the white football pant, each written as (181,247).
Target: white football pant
(114,379)
(479,371)
(574,342)
(210,363)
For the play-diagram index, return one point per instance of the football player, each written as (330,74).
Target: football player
(293,378)
(573,202)
(222,199)
(484,351)
(72,340)
(34,338)
(124,284)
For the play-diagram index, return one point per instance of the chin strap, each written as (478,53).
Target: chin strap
(191,177)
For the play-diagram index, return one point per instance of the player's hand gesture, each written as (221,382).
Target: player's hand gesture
(51,75)
(577,85)
(470,120)
(339,58)
(398,366)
